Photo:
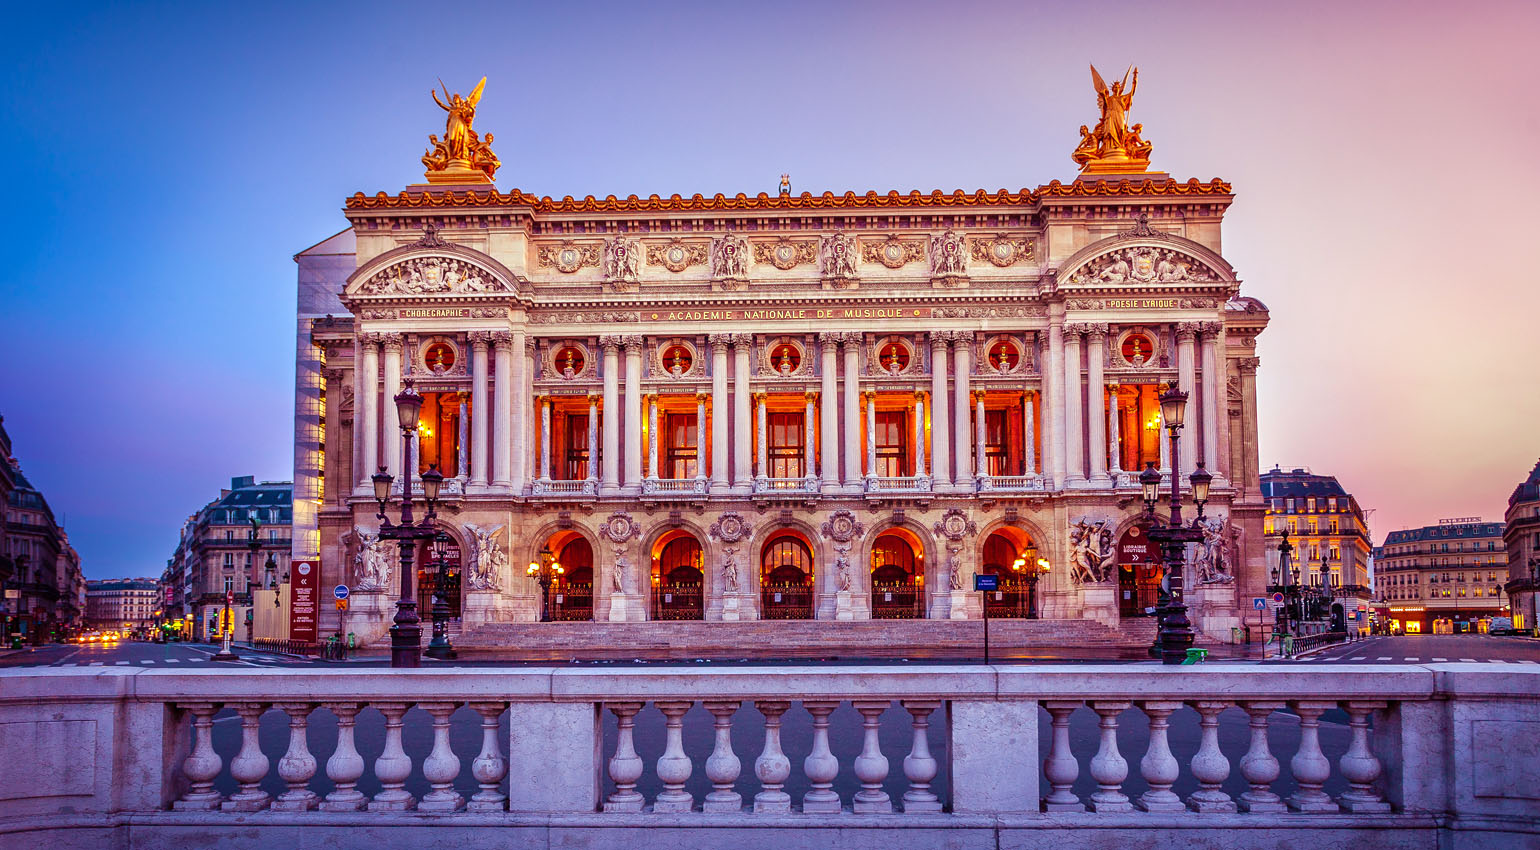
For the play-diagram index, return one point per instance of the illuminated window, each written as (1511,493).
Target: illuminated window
(683,446)
(575,458)
(787,445)
(892,443)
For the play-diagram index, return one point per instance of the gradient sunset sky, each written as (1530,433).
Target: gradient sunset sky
(167,160)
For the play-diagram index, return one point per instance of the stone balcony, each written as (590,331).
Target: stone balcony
(1442,755)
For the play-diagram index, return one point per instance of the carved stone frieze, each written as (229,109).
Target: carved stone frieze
(893,252)
(677,255)
(567,257)
(837,259)
(786,254)
(622,262)
(1002,250)
(423,275)
(1176,303)
(377,314)
(585,317)
(991,311)
(1144,264)
(948,255)
(729,257)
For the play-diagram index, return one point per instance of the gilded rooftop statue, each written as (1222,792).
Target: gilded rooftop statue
(462,156)
(1113,146)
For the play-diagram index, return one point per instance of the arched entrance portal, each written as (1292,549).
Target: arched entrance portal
(1139,573)
(898,576)
(428,576)
(1011,554)
(573,595)
(786,578)
(677,581)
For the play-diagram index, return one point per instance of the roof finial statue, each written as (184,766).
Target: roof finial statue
(785,185)
(462,156)
(1113,147)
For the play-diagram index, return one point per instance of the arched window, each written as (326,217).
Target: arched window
(680,561)
(892,559)
(786,560)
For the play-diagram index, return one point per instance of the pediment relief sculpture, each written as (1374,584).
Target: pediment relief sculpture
(1143,264)
(423,275)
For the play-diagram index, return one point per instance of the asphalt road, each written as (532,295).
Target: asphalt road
(1429,649)
(140,654)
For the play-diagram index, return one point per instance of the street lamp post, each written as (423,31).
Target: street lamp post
(1175,633)
(406,633)
(1031,570)
(545,572)
(440,647)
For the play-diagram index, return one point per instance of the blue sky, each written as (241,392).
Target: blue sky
(167,160)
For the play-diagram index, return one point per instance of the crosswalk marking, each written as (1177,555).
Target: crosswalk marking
(1440,659)
(1468,659)
(1498,660)
(146,661)
(1528,661)
(122,662)
(173,660)
(1359,658)
(1384,658)
(96,663)
(1410,659)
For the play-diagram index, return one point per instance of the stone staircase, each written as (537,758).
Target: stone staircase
(775,639)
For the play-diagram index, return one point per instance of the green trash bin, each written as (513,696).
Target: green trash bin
(1195,655)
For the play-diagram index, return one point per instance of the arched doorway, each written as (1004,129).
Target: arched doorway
(428,575)
(1011,554)
(786,578)
(574,592)
(1139,573)
(898,576)
(677,581)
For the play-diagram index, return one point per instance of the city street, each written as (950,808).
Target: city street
(1429,649)
(139,654)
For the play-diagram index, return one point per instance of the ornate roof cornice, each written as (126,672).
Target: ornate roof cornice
(491,197)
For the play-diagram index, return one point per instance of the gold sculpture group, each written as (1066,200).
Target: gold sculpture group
(462,156)
(1113,147)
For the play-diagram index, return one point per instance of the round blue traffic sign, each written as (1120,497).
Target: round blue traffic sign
(340,591)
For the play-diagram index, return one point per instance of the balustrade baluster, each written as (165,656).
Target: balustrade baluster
(723,766)
(1061,768)
(441,766)
(1310,766)
(345,765)
(1359,764)
(625,765)
(250,765)
(297,765)
(394,765)
(920,766)
(674,766)
(1108,766)
(1209,765)
(1159,767)
(202,765)
(1259,766)
(820,765)
(772,767)
(871,764)
(489,767)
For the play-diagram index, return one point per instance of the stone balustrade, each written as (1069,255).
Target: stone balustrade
(1419,756)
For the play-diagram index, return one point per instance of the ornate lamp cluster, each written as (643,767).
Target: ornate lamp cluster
(406,633)
(545,572)
(1175,635)
(1031,571)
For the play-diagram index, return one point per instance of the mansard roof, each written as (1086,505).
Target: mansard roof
(1446,531)
(1529,489)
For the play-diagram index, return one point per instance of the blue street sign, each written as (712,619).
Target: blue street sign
(1259,603)
(340,591)
(984,581)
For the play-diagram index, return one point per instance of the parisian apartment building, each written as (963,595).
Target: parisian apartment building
(215,561)
(44,590)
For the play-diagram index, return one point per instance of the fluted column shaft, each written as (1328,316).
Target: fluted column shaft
(545,437)
(633,406)
(871,432)
(962,370)
(1186,377)
(761,437)
(919,434)
(808,446)
(743,474)
(1096,356)
(700,435)
(940,444)
(1028,435)
(392,428)
(719,412)
(502,409)
(1114,427)
(1053,399)
(369,397)
(1074,409)
(829,454)
(652,435)
(520,447)
(981,464)
(852,453)
(610,457)
(593,436)
(479,387)
(1213,404)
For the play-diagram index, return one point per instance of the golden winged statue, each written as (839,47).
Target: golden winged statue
(461,156)
(1113,146)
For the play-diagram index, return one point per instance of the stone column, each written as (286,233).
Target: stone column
(1213,404)
(502,410)
(763,454)
(962,366)
(743,473)
(919,436)
(521,447)
(852,453)
(652,435)
(700,436)
(1096,358)
(368,405)
(829,453)
(940,444)
(593,436)
(1114,450)
(981,464)
(545,437)
(871,432)
(391,431)
(810,456)
(479,387)
(463,438)
(1029,434)
(609,481)
(633,406)
(360,473)
(719,411)
(1053,398)
(1186,377)
(1074,408)
(1248,479)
